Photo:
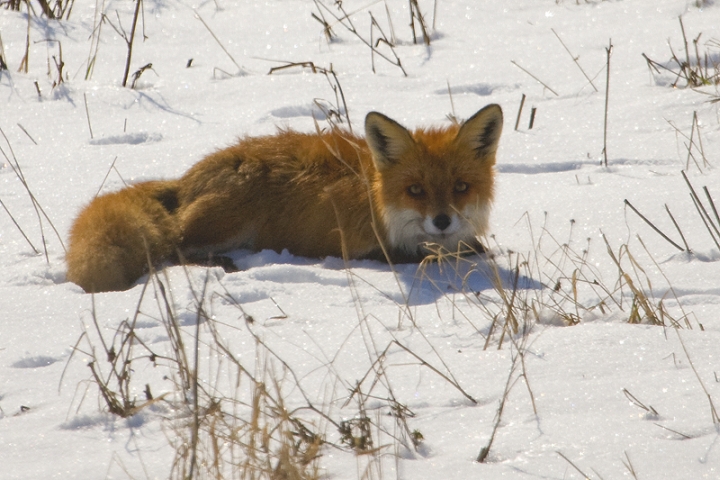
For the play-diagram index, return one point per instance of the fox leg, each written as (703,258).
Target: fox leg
(113,237)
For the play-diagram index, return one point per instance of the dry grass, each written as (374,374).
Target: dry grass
(692,69)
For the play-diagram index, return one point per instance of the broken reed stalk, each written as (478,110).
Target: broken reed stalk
(707,220)
(572,464)
(608,51)
(535,78)
(522,103)
(687,247)
(415,14)
(59,64)
(87,115)
(652,225)
(700,208)
(533,111)
(130,41)
(575,59)
(685,42)
(712,204)
(26,133)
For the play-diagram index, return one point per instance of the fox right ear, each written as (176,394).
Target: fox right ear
(481,132)
(387,139)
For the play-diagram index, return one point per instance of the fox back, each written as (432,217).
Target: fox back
(330,194)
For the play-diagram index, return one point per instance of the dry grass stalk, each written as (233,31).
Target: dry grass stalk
(696,72)
(415,14)
(39,211)
(347,22)
(575,59)
(240,70)
(535,78)
(608,51)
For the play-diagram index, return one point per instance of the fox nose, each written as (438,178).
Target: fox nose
(442,221)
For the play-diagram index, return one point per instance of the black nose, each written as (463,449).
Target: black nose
(442,221)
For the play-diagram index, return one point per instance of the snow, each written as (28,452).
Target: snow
(602,396)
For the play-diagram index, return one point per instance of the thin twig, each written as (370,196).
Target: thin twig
(608,50)
(713,411)
(575,59)
(702,211)
(37,252)
(685,437)
(485,451)
(130,41)
(700,208)
(26,133)
(240,69)
(687,247)
(712,204)
(573,465)
(522,103)
(87,115)
(652,225)
(534,77)
(702,150)
(36,204)
(533,111)
(423,362)
(351,28)
(630,466)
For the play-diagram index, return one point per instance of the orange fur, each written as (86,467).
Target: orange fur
(333,194)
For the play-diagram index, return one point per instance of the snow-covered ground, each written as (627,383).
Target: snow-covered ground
(604,397)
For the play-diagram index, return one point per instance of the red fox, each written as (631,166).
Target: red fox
(322,194)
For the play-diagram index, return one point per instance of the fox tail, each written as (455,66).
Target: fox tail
(118,235)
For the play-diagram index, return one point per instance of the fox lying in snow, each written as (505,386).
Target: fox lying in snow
(328,194)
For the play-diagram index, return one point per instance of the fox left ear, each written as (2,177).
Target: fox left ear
(481,132)
(387,139)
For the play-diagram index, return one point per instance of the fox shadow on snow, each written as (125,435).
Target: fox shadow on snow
(426,283)
(416,284)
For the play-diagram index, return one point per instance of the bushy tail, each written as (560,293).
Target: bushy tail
(112,237)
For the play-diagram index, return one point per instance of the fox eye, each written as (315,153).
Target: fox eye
(415,190)
(461,187)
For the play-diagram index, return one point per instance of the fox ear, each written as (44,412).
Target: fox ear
(387,139)
(481,132)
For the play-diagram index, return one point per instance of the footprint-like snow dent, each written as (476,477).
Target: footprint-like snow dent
(34,362)
(297,274)
(481,89)
(128,139)
(106,420)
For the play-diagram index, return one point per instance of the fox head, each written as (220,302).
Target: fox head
(434,185)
